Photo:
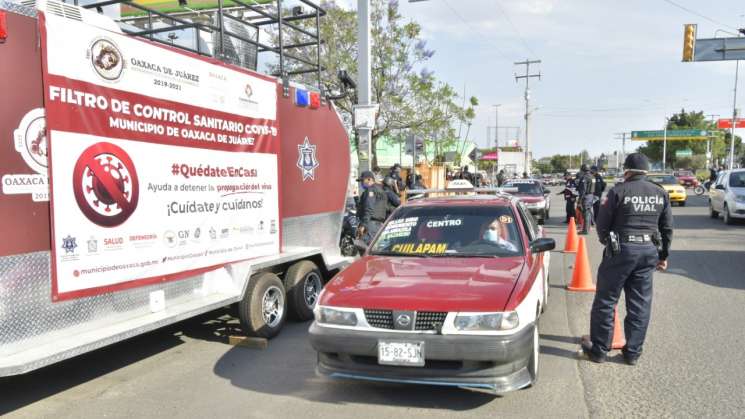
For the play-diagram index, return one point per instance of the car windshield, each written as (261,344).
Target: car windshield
(663,180)
(737,180)
(455,231)
(525,188)
(684,174)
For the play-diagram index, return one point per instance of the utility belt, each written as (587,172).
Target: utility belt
(615,239)
(636,238)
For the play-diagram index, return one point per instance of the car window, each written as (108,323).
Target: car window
(720,179)
(458,231)
(525,188)
(737,180)
(531,226)
(663,179)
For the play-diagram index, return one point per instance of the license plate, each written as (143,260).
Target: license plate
(401,353)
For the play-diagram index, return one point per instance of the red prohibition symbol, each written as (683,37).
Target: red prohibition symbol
(105,184)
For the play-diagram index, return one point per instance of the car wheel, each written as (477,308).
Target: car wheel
(545,294)
(534,356)
(304,283)
(263,309)
(727,218)
(546,214)
(712,213)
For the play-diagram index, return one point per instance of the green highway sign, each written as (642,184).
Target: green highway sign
(672,135)
(686,152)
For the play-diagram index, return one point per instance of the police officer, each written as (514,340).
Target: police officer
(585,190)
(570,196)
(372,209)
(636,215)
(598,192)
(501,178)
(392,199)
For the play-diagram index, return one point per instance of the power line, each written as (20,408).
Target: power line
(478,32)
(693,12)
(514,28)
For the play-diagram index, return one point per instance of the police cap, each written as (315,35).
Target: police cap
(584,168)
(366,175)
(593,168)
(636,162)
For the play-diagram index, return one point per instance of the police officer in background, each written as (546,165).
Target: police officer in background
(392,199)
(598,192)
(636,225)
(372,208)
(501,177)
(585,190)
(570,196)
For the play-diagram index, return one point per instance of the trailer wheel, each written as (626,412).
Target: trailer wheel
(263,309)
(304,283)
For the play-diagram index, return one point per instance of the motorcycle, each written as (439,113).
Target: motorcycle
(700,189)
(349,230)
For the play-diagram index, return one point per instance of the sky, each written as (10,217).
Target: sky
(607,66)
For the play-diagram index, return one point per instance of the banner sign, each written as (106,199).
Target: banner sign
(672,135)
(726,123)
(161,164)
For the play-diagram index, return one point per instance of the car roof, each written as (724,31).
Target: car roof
(498,200)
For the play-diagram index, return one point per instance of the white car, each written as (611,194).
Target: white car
(727,196)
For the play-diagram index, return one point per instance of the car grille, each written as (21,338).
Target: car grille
(425,320)
(382,319)
(430,320)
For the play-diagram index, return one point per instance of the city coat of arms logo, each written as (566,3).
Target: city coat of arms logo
(307,161)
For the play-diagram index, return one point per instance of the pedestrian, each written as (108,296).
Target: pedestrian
(378,174)
(501,177)
(598,192)
(586,197)
(392,199)
(525,175)
(636,226)
(570,196)
(372,209)
(395,173)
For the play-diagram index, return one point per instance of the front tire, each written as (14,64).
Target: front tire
(712,213)
(263,310)
(533,362)
(304,283)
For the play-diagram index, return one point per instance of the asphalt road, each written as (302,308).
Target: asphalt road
(691,367)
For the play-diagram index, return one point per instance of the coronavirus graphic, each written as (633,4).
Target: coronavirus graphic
(105,184)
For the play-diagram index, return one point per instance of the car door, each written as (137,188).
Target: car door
(533,231)
(717,192)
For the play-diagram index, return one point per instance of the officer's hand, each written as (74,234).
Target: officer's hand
(662,265)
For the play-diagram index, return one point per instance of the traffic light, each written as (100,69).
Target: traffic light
(689,42)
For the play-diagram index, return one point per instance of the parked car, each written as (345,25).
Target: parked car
(676,192)
(686,178)
(449,293)
(727,196)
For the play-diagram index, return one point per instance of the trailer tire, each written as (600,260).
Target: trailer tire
(263,310)
(303,282)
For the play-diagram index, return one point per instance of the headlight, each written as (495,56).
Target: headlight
(740,199)
(486,321)
(680,190)
(327,315)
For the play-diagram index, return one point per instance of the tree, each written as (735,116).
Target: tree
(411,98)
(691,120)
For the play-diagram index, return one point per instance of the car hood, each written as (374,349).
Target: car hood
(530,199)
(673,188)
(425,284)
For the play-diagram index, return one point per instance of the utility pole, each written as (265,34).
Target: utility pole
(734,121)
(496,138)
(708,142)
(623,144)
(527,76)
(664,147)
(365,151)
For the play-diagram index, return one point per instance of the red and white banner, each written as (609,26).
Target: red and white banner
(726,123)
(162,164)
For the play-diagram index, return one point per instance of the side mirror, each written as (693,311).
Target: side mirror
(721,187)
(542,244)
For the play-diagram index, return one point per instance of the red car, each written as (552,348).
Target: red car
(686,178)
(537,199)
(449,293)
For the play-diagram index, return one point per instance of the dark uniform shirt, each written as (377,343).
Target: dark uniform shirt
(373,205)
(570,191)
(637,206)
(599,185)
(585,185)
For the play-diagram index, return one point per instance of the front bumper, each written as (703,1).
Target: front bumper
(677,197)
(495,363)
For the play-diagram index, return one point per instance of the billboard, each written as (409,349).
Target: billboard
(162,164)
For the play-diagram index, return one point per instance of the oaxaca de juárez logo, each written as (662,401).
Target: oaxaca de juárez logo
(307,161)
(105,184)
(106,59)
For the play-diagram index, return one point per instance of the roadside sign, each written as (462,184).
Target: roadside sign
(475,154)
(719,49)
(687,152)
(672,135)
(726,123)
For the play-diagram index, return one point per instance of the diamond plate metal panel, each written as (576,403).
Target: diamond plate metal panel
(17,8)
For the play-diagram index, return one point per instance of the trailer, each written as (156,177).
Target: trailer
(150,174)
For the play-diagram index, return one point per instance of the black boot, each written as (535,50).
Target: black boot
(593,355)
(630,359)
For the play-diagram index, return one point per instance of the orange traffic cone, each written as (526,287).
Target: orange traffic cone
(581,277)
(571,240)
(619,341)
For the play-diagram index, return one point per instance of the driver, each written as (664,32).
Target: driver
(496,232)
